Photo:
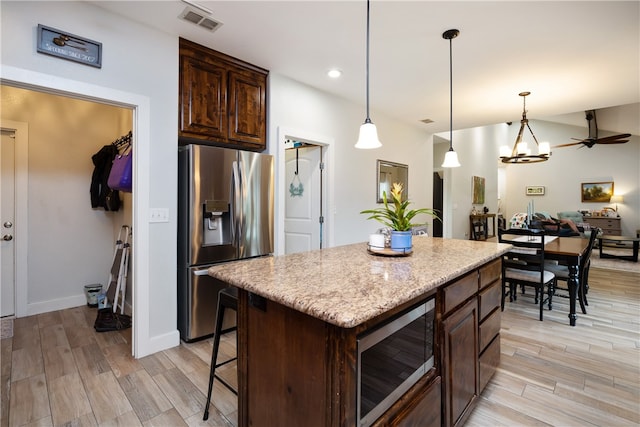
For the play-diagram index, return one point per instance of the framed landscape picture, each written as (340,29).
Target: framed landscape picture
(596,192)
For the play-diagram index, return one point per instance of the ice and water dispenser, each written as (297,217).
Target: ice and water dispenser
(217,223)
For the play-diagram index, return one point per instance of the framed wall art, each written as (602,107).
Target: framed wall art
(596,192)
(534,190)
(478,190)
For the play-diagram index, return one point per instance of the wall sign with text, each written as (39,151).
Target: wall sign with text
(69,46)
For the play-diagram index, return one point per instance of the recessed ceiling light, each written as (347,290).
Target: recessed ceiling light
(334,73)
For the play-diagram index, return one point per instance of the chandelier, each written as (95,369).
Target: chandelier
(521,152)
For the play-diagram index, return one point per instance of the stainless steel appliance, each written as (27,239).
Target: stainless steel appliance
(225,212)
(392,358)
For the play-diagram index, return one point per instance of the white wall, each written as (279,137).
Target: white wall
(138,63)
(353,177)
(568,167)
(561,175)
(143,62)
(478,157)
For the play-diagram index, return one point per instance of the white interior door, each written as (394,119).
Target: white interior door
(303,193)
(7,224)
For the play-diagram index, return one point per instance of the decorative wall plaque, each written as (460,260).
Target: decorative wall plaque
(69,46)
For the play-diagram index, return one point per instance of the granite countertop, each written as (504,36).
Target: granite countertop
(346,285)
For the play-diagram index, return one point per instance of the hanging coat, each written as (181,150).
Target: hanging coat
(101,195)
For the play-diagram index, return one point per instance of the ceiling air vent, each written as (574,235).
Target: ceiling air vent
(195,17)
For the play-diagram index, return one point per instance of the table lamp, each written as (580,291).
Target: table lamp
(616,199)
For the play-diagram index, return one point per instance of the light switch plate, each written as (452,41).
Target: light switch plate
(159,215)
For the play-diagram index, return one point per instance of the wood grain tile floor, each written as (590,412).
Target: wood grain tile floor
(56,370)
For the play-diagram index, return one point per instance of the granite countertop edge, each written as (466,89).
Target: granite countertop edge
(347,286)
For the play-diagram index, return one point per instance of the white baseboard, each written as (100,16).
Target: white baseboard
(56,304)
(159,343)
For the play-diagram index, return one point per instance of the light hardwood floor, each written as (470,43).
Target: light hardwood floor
(57,370)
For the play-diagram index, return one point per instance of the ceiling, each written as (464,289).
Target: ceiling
(572,56)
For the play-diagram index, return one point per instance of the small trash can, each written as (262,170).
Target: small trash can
(91,292)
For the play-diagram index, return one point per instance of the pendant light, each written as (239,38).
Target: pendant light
(368,137)
(520,152)
(451,157)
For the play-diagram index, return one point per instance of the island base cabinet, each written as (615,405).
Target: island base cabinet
(489,361)
(460,363)
(285,371)
(425,411)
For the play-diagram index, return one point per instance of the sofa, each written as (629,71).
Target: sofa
(574,216)
(544,221)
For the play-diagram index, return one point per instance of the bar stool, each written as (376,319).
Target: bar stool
(227,299)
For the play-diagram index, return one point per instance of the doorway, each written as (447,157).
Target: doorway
(315,165)
(142,343)
(438,194)
(70,238)
(304,221)
(8,219)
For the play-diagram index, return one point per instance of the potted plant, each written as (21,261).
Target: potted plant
(398,217)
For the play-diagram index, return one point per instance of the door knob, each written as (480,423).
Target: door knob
(7,237)
(8,224)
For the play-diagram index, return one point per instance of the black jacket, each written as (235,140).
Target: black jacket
(101,195)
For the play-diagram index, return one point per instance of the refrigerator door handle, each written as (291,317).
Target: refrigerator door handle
(236,216)
(203,272)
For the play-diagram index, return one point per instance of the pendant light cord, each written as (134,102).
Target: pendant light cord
(450,94)
(367,120)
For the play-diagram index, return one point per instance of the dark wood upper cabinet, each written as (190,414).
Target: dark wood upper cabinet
(223,101)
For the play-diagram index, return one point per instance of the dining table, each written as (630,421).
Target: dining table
(568,251)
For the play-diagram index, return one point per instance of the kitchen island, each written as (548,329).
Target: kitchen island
(300,317)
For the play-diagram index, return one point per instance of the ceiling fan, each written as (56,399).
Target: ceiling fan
(593,134)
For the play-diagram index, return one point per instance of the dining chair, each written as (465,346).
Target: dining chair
(524,265)
(562,273)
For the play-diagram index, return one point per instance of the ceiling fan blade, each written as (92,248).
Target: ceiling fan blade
(613,142)
(613,138)
(568,145)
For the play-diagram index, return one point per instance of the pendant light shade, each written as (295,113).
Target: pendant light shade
(451,157)
(368,137)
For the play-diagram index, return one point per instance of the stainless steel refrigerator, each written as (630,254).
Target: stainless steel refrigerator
(225,213)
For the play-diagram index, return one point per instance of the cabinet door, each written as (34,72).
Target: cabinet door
(460,362)
(247,108)
(423,411)
(203,99)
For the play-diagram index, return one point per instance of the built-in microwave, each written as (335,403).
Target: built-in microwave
(392,358)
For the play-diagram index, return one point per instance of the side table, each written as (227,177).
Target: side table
(479,226)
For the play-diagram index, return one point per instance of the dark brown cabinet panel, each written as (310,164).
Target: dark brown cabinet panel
(490,316)
(489,361)
(247,104)
(203,107)
(424,411)
(460,363)
(223,101)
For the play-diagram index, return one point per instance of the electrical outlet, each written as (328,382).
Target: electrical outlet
(159,215)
